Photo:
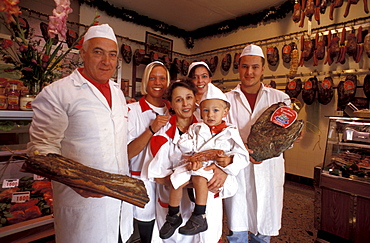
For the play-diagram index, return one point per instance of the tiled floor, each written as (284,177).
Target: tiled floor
(298,214)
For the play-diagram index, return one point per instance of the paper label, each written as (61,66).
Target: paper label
(284,116)
(292,84)
(20,197)
(308,85)
(348,85)
(38,178)
(127,48)
(326,84)
(9,183)
(270,50)
(287,49)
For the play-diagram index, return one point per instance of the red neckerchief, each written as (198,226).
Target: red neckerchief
(217,129)
(172,130)
(103,88)
(145,106)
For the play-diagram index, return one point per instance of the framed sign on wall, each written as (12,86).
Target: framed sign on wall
(158,45)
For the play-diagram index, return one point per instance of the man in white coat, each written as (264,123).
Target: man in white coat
(84,118)
(257,205)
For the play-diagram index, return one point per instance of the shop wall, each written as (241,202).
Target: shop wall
(309,152)
(133,35)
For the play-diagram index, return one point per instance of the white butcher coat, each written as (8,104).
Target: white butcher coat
(257,206)
(73,118)
(199,138)
(140,116)
(167,155)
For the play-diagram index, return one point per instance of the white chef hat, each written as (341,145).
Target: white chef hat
(252,50)
(214,93)
(193,64)
(103,31)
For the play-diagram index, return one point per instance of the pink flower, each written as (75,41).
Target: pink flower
(58,22)
(28,69)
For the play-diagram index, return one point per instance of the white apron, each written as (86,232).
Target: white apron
(257,206)
(166,156)
(73,118)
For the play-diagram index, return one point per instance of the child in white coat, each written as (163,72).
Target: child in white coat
(212,133)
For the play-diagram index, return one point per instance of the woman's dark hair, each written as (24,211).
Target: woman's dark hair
(192,71)
(186,83)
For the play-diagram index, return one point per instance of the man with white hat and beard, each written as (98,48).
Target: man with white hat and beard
(84,118)
(257,206)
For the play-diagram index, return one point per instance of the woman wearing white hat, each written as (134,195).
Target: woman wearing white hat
(257,206)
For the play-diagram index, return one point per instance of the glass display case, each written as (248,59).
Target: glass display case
(25,198)
(343,193)
(348,148)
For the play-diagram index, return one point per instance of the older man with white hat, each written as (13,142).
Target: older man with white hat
(257,206)
(84,117)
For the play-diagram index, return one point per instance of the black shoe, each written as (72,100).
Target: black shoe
(195,225)
(169,227)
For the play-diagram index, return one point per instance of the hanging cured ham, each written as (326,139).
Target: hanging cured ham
(293,88)
(272,55)
(309,91)
(367,86)
(325,91)
(346,90)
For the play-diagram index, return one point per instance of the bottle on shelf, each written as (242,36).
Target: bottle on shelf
(13,97)
(3,99)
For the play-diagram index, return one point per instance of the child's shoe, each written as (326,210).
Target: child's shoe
(169,227)
(195,225)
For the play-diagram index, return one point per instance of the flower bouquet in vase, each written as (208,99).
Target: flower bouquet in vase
(38,62)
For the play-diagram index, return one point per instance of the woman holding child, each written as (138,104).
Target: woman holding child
(167,155)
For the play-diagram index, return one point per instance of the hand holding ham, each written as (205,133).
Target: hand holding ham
(250,151)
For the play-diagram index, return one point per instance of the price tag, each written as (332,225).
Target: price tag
(9,183)
(284,116)
(20,197)
(38,178)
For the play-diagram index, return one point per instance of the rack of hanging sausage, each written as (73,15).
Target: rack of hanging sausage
(334,44)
